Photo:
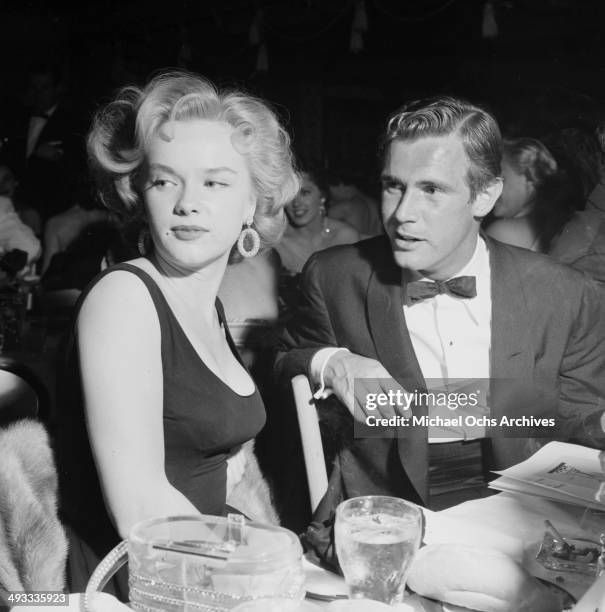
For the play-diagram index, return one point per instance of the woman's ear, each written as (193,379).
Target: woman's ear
(484,201)
(530,189)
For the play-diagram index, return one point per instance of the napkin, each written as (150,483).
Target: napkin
(445,530)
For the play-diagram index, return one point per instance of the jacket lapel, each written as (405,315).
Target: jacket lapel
(389,330)
(395,351)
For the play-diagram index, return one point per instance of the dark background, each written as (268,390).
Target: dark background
(543,69)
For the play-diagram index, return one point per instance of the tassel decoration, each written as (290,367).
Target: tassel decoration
(254,33)
(358,27)
(489,28)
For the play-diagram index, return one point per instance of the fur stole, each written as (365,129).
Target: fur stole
(251,494)
(33,546)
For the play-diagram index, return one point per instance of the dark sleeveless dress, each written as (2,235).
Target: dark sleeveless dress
(205,422)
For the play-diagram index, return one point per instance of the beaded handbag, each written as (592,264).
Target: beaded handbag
(203,563)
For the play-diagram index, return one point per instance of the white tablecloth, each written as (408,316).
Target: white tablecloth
(499,521)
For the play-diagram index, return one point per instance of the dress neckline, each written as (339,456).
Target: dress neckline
(222,320)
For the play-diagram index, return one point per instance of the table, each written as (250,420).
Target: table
(519,518)
(513,524)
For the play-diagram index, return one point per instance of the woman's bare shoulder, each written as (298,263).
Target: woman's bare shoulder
(516,232)
(343,232)
(119,296)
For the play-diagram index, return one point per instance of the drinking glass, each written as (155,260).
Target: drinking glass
(376,540)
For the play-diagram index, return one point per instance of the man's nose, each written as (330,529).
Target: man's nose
(406,209)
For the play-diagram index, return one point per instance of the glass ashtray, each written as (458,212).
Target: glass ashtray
(578,555)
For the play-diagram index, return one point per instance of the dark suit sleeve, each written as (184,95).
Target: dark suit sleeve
(592,264)
(309,330)
(582,373)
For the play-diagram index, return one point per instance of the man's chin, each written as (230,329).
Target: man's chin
(408,261)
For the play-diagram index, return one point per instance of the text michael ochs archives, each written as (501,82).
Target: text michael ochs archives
(445,409)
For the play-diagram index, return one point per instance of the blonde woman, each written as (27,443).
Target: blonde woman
(156,399)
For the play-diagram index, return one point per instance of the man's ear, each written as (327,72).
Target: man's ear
(484,201)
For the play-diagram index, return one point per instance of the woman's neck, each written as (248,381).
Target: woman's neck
(525,210)
(196,288)
(313,229)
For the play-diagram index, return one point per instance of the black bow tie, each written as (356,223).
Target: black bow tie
(460,286)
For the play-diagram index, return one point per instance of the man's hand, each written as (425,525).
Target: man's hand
(352,377)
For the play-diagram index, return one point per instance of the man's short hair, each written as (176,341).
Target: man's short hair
(442,116)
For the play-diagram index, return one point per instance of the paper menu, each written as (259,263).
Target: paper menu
(560,471)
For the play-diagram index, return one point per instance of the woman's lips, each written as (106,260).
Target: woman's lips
(188,232)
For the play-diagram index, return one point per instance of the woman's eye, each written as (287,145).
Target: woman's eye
(214,184)
(161,183)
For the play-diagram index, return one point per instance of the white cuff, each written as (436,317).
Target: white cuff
(318,368)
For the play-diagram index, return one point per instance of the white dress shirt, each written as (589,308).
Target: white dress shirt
(451,337)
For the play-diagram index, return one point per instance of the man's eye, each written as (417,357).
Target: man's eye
(430,190)
(392,188)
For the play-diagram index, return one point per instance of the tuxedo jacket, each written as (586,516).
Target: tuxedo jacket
(547,330)
(49,185)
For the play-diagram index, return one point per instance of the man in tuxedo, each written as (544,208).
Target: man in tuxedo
(435,299)
(46,143)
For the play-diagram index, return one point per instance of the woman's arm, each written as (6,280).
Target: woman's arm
(120,362)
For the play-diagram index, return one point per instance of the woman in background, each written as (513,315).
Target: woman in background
(310,229)
(155,394)
(536,199)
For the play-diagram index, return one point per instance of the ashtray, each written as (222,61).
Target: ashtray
(560,554)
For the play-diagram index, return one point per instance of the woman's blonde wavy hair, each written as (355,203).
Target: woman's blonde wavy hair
(121,131)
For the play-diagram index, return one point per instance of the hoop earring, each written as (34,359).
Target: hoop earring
(142,242)
(250,235)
